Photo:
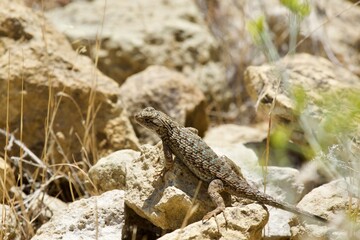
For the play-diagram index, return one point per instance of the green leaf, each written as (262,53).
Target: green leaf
(298,8)
(300,98)
(256,29)
(280,137)
(342,111)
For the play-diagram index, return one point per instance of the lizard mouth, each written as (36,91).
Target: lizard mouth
(138,118)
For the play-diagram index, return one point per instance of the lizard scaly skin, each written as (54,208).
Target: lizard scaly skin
(185,144)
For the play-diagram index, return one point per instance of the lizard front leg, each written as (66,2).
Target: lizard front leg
(169,161)
(215,188)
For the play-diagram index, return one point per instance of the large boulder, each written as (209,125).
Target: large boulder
(301,85)
(167,91)
(67,104)
(137,34)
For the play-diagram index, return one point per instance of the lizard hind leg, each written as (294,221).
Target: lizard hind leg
(215,188)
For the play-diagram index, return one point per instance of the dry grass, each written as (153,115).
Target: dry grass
(28,193)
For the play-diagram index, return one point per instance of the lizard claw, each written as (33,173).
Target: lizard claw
(208,216)
(213,213)
(161,174)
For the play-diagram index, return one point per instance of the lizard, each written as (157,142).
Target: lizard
(202,161)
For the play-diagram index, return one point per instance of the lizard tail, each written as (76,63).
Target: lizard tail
(264,198)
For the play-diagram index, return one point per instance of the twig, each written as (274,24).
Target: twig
(26,150)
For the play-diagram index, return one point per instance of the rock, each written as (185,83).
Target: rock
(167,91)
(99,217)
(6,173)
(164,203)
(82,103)
(43,206)
(253,218)
(312,174)
(231,133)
(9,226)
(242,156)
(119,134)
(111,171)
(281,184)
(315,75)
(135,35)
(333,201)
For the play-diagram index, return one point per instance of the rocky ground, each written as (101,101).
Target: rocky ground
(75,165)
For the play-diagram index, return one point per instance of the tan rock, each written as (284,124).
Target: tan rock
(99,217)
(137,34)
(167,91)
(315,75)
(110,172)
(231,134)
(43,206)
(119,134)
(82,100)
(253,218)
(336,201)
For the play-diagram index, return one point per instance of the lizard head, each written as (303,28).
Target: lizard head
(150,118)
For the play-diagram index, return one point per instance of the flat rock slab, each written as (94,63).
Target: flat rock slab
(243,223)
(100,217)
